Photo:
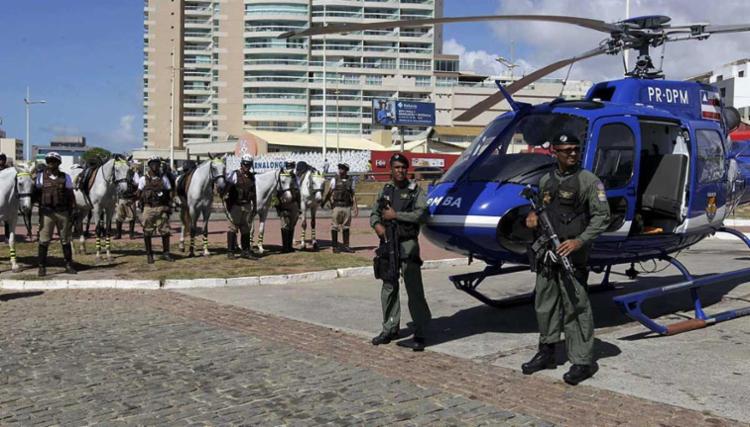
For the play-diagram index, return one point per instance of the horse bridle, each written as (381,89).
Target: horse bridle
(19,194)
(313,190)
(121,180)
(214,176)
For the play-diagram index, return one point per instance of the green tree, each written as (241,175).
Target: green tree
(94,153)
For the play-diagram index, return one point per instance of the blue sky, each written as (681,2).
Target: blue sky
(85,57)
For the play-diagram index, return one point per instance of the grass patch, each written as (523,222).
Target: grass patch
(129,262)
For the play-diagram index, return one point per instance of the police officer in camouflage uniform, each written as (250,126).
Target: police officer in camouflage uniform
(577,207)
(289,211)
(126,204)
(342,200)
(241,205)
(154,190)
(56,203)
(404,202)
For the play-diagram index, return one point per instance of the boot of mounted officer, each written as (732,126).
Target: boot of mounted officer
(165,255)
(149,249)
(132,229)
(247,252)
(335,241)
(345,247)
(68,256)
(415,344)
(578,373)
(231,242)
(118,230)
(43,259)
(543,359)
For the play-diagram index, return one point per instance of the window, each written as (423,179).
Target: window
(710,160)
(723,92)
(615,151)
(741,73)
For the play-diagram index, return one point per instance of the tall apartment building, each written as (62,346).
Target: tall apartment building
(231,72)
(222,66)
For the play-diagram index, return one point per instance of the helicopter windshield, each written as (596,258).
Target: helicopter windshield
(521,155)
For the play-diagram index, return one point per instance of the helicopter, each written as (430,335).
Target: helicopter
(660,148)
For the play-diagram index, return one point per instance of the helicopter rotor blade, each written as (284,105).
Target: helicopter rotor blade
(718,29)
(592,24)
(519,84)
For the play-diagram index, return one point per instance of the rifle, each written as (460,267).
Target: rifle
(548,242)
(387,262)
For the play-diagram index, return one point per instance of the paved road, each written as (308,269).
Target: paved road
(120,358)
(704,370)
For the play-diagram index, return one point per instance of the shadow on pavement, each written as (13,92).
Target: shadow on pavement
(19,295)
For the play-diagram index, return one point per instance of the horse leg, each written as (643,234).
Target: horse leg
(108,244)
(261,229)
(12,246)
(312,231)
(303,237)
(183,225)
(206,215)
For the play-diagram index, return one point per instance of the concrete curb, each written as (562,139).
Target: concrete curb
(281,279)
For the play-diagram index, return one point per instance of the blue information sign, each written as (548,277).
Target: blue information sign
(390,112)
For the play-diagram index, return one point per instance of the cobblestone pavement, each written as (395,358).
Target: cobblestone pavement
(113,357)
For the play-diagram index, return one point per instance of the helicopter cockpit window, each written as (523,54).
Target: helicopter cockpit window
(523,156)
(477,147)
(710,156)
(615,151)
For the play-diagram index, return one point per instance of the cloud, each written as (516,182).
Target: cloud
(123,138)
(545,43)
(480,61)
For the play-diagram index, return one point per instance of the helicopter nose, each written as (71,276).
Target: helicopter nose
(468,219)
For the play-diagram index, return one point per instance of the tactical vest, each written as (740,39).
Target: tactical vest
(131,189)
(343,193)
(568,217)
(402,200)
(294,189)
(54,194)
(154,193)
(244,189)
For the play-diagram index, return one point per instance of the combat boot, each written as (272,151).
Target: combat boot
(286,241)
(149,249)
(384,338)
(247,251)
(68,255)
(335,241)
(43,260)
(118,230)
(543,359)
(578,373)
(231,242)
(165,249)
(345,247)
(132,229)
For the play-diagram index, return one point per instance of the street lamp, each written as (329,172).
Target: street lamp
(28,103)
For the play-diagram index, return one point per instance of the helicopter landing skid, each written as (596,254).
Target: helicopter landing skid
(469,283)
(630,304)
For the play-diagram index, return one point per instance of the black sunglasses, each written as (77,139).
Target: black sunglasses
(570,150)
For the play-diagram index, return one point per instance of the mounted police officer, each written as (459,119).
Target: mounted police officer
(154,193)
(289,211)
(342,200)
(241,205)
(126,203)
(3,161)
(56,204)
(577,206)
(403,204)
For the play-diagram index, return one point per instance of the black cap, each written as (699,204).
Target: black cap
(3,156)
(344,166)
(565,139)
(398,157)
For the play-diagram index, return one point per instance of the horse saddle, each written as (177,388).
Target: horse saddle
(183,183)
(86,179)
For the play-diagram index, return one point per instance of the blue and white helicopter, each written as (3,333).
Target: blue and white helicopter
(660,147)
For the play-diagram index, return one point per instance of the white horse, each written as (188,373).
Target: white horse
(110,179)
(312,183)
(270,187)
(16,186)
(197,196)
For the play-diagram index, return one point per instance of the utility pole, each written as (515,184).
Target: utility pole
(325,85)
(29,103)
(173,108)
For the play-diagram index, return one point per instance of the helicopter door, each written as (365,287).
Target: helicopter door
(615,162)
(708,206)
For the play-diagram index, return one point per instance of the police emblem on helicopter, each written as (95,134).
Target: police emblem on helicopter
(711,206)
